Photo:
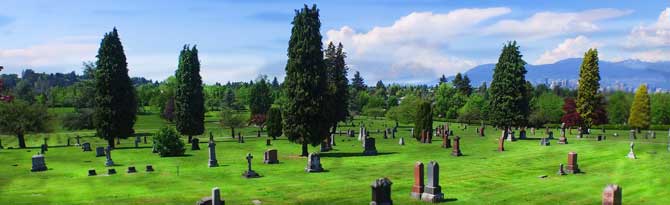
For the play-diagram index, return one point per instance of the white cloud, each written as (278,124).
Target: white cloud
(412,46)
(549,24)
(60,53)
(652,55)
(570,48)
(654,35)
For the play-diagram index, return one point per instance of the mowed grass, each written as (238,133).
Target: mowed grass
(481,176)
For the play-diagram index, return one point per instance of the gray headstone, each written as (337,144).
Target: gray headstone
(38,163)
(401,141)
(432,192)
(314,163)
(86,147)
(99,151)
(195,144)
(381,192)
(108,155)
(270,157)
(631,154)
(212,155)
(370,148)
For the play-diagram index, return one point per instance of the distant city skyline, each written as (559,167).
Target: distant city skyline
(394,41)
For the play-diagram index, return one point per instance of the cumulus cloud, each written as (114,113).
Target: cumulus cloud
(654,35)
(550,24)
(62,53)
(570,48)
(412,46)
(652,55)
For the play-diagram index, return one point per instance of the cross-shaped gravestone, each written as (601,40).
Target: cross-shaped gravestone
(249,157)
(250,173)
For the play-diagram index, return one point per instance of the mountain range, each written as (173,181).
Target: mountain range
(627,74)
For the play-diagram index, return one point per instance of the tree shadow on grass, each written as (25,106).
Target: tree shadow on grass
(143,134)
(449,200)
(184,155)
(355,154)
(532,138)
(140,147)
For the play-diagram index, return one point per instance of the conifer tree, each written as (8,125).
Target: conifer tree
(305,82)
(260,98)
(640,111)
(338,84)
(424,119)
(509,100)
(358,83)
(587,92)
(115,101)
(274,124)
(189,101)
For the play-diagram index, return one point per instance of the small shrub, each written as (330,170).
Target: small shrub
(168,142)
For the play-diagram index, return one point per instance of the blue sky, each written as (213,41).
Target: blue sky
(393,40)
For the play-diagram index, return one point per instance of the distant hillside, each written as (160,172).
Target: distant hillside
(629,72)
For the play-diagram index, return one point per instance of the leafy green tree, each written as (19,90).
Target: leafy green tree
(232,120)
(547,108)
(358,83)
(405,112)
(640,111)
(82,119)
(474,109)
(260,98)
(24,91)
(18,118)
(589,83)
(189,101)
(424,119)
(619,107)
(229,99)
(359,101)
(660,108)
(306,82)
(338,84)
(168,143)
(274,122)
(115,109)
(448,100)
(509,105)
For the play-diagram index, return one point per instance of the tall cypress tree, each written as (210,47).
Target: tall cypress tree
(424,119)
(260,98)
(115,101)
(509,105)
(189,101)
(587,92)
(640,111)
(274,123)
(305,82)
(338,84)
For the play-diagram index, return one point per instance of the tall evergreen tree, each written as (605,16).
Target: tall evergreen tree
(338,84)
(587,92)
(305,82)
(443,79)
(115,101)
(260,98)
(424,119)
(358,83)
(275,83)
(640,112)
(274,123)
(509,105)
(189,100)
(229,98)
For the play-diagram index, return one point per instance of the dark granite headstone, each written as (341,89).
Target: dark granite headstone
(86,147)
(268,142)
(38,163)
(195,144)
(314,163)
(270,157)
(91,172)
(44,148)
(99,151)
(381,192)
(149,168)
(370,147)
(111,171)
(250,173)
(108,155)
(212,155)
(131,170)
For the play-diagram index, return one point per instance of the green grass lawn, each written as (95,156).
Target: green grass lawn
(481,176)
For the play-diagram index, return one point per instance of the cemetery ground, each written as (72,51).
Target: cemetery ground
(482,176)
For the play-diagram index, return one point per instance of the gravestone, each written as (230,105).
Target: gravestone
(212,155)
(544,142)
(370,148)
(432,192)
(600,138)
(45,143)
(214,199)
(137,141)
(573,168)
(412,132)
(532,131)
(481,131)
(258,133)
(195,144)
(250,173)
(99,151)
(653,134)
(149,168)
(43,148)
(561,171)
(417,188)
(154,148)
(510,136)
(402,142)
(522,133)
(111,171)
(501,142)
(91,172)
(324,147)
(631,135)
(612,195)
(393,133)
(562,139)
(631,154)
(38,163)
(446,142)
(386,135)
(131,170)
(381,192)
(457,147)
(145,139)
(108,155)
(332,141)
(68,143)
(550,134)
(268,142)
(270,157)
(314,163)
(86,147)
